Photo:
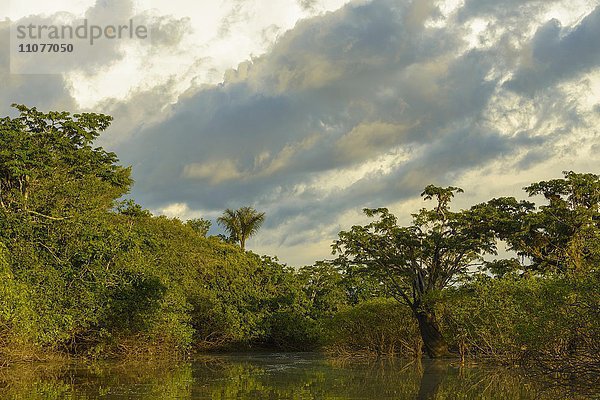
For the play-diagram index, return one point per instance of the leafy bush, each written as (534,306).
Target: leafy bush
(16,315)
(522,319)
(375,327)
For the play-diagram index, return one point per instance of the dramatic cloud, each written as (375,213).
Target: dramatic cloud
(558,53)
(364,106)
(49,84)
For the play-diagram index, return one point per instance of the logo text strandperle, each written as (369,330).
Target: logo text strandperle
(82,31)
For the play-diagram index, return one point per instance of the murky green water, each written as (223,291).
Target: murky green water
(274,376)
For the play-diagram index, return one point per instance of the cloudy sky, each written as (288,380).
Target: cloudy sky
(310,110)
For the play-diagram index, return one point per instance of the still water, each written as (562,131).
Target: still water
(275,376)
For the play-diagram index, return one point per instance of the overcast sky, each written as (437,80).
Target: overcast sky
(311,110)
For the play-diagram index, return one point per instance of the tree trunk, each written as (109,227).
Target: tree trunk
(433,341)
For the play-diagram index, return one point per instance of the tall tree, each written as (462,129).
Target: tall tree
(49,169)
(419,260)
(560,236)
(242,223)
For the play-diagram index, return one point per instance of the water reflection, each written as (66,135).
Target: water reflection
(270,376)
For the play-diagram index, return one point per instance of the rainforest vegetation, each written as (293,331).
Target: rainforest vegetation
(86,273)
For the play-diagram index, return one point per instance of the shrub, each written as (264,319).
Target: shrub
(374,327)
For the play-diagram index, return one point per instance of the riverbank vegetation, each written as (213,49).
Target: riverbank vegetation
(86,273)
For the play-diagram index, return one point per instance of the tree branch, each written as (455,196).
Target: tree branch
(47,216)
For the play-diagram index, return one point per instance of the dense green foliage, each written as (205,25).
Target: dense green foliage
(84,272)
(523,317)
(423,263)
(561,236)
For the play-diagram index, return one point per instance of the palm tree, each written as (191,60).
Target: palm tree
(241,223)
